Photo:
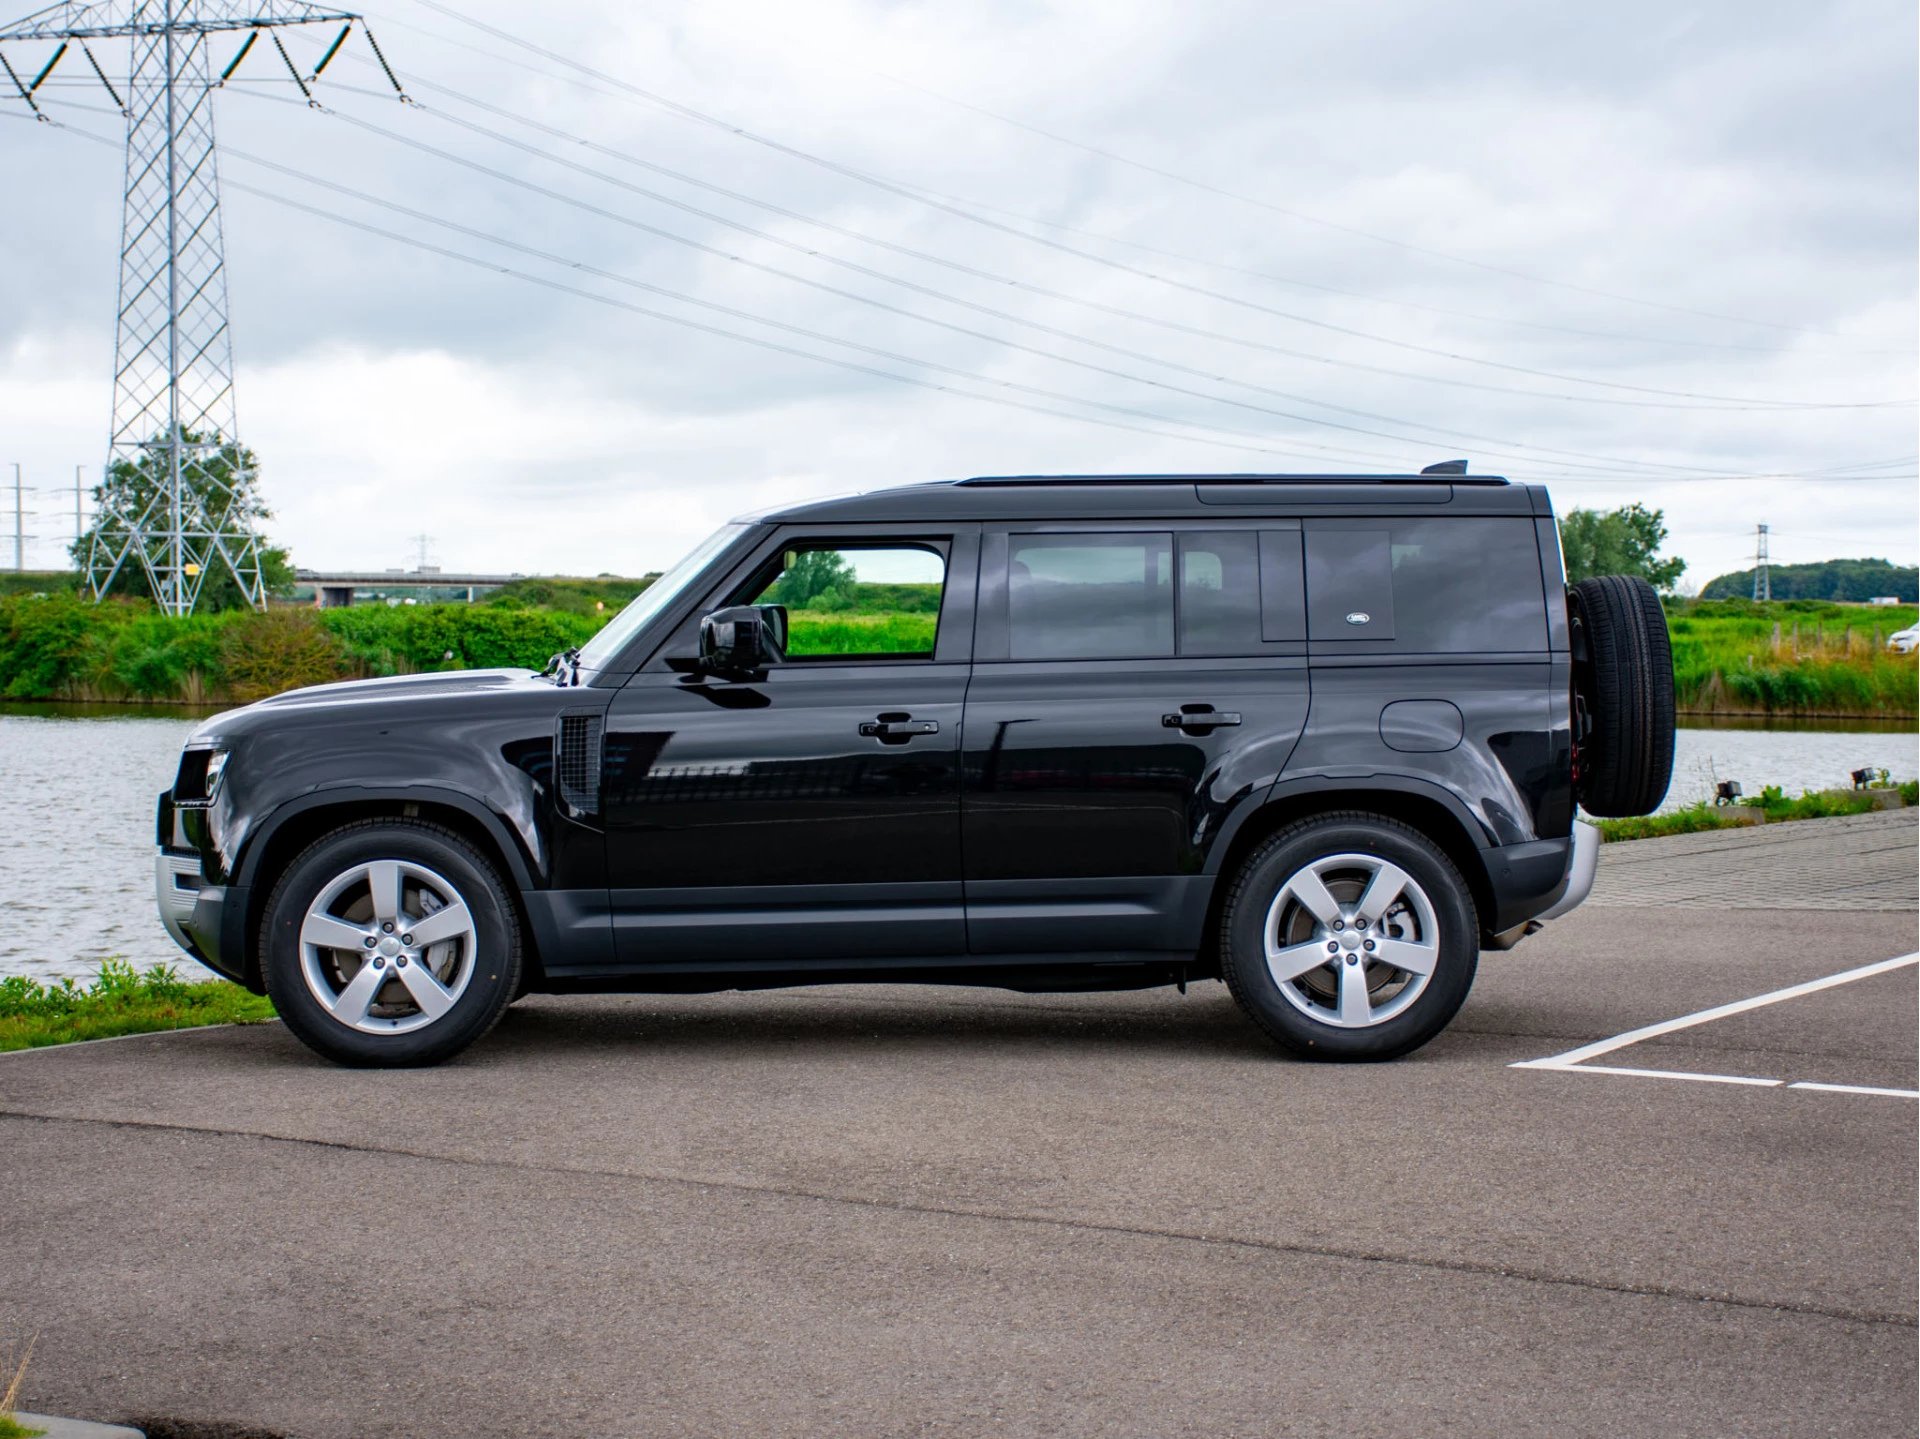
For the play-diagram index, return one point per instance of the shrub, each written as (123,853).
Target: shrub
(264,654)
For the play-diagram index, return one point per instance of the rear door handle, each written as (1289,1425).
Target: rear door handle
(1200,717)
(897,728)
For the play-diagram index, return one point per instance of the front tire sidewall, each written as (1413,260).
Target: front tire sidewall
(497,961)
(1255,988)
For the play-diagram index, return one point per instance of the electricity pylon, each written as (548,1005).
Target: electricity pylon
(189,504)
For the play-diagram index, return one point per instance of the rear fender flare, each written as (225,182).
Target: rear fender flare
(1355,788)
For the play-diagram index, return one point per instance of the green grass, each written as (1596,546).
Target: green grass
(12,1428)
(63,648)
(1805,657)
(812,632)
(1690,820)
(1771,801)
(121,1000)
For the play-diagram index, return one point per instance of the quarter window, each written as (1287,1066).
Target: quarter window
(1438,586)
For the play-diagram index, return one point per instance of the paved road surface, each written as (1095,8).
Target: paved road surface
(942,1212)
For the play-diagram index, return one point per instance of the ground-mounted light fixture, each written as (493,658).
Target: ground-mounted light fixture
(1728,791)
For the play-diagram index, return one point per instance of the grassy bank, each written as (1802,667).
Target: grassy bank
(56,646)
(120,1001)
(1791,657)
(1772,803)
(63,648)
(1730,657)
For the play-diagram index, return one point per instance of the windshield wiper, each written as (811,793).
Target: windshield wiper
(564,667)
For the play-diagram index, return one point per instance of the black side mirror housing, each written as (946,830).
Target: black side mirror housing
(742,640)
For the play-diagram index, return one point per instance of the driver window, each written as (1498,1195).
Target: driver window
(854,602)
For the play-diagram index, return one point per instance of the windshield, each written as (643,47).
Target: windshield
(601,649)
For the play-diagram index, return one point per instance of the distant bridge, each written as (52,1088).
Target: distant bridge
(333,589)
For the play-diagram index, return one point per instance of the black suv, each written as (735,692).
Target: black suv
(1320,737)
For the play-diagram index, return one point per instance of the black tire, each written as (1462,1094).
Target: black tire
(485,961)
(1623,677)
(1258,892)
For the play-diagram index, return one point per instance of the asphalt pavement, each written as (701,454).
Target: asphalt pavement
(905,1211)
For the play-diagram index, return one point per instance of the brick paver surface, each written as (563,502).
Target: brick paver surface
(1865,861)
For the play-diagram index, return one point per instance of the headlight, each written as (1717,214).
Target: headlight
(198,779)
(216,764)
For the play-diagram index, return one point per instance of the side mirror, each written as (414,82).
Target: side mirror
(742,640)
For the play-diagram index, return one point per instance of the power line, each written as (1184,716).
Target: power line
(923,198)
(590,88)
(583,267)
(1184,257)
(1305,218)
(1447,434)
(1604,462)
(1578,459)
(1241,443)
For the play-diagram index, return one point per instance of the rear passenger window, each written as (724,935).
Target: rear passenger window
(1429,586)
(1090,596)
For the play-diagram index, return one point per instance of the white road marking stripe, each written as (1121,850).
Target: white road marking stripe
(1653,1031)
(1677,1074)
(1855,1089)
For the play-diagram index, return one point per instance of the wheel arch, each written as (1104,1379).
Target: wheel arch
(1434,813)
(298,823)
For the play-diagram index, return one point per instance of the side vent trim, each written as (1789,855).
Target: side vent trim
(577,762)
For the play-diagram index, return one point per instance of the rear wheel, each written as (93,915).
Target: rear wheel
(1349,937)
(390,942)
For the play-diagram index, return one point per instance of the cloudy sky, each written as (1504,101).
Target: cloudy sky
(1646,251)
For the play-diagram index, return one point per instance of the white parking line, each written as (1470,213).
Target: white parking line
(1855,1089)
(1575,1059)
(1661,1074)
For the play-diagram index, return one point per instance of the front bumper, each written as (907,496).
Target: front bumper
(193,911)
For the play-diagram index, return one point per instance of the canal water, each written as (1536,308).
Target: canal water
(78,783)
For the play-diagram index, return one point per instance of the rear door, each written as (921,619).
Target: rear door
(1133,686)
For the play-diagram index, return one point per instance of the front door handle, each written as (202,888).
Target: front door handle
(897,728)
(1202,718)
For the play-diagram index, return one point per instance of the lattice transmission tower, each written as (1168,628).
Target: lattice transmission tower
(179,500)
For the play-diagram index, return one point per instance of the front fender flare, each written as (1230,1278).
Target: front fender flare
(515,849)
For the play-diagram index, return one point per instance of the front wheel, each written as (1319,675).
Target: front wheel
(1349,937)
(390,943)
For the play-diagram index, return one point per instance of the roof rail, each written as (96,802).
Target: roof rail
(1426,477)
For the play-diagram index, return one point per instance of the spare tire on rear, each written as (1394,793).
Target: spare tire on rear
(1623,679)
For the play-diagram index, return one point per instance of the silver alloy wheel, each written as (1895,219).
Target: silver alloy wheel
(1351,940)
(387,946)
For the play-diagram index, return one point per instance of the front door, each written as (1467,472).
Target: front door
(810,812)
(1133,690)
